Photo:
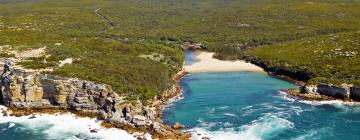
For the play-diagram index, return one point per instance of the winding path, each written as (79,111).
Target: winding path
(97,12)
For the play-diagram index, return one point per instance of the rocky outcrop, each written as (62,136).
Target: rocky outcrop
(25,90)
(194,46)
(333,91)
(338,92)
(20,89)
(355,93)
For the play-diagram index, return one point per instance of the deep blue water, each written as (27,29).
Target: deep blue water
(247,106)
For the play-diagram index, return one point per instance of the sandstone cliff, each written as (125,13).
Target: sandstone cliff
(26,90)
(345,91)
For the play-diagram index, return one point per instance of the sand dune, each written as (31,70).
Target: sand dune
(209,64)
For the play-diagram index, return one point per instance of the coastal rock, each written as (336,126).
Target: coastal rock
(117,118)
(355,93)
(333,91)
(309,89)
(177,126)
(194,46)
(23,90)
(139,120)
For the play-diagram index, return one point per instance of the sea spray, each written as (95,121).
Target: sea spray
(59,126)
(335,103)
(263,128)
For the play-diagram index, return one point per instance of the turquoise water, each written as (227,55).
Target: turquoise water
(189,57)
(249,106)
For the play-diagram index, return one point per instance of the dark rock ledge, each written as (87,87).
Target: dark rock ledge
(25,93)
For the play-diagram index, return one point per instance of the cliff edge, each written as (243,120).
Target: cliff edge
(21,90)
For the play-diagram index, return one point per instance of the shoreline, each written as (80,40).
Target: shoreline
(79,125)
(206,63)
(166,98)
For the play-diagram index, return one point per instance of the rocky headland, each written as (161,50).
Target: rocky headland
(319,91)
(26,92)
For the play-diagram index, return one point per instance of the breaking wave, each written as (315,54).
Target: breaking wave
(265,127)
(63,126)
(335,103)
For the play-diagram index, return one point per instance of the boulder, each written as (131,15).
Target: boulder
(102,115)
(177,126)
(117,118)
(355,93)
(156,127)
(309,89)
(332,91)
(81,100)
(139,120)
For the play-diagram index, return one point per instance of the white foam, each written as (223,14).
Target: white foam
(248,107)
(330,102)
(224,107)
(173,100)
(312,134)
(11,125)
(211,110)
(68,126)
(335,103)
(296,109)
(231,115)
(263,128)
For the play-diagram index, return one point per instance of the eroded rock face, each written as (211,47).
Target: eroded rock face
(22,89)
(26,90)
(344,91)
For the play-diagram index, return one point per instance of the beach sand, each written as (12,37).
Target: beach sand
(207,63)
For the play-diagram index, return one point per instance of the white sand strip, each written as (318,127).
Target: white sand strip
(209,64)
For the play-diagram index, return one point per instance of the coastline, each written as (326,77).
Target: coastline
(206,63)
(77,127)
(150,123)
(311,92)
(136,132)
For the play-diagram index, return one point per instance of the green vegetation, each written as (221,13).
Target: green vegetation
(135,46)
(6,55)
(330,58)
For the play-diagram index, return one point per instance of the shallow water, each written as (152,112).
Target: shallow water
(250,106)
(190,57)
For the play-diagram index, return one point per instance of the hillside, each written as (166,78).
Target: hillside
(332,59)
(135,46)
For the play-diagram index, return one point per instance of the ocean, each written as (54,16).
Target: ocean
(252,106)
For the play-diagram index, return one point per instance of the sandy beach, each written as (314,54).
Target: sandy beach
(207,63)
